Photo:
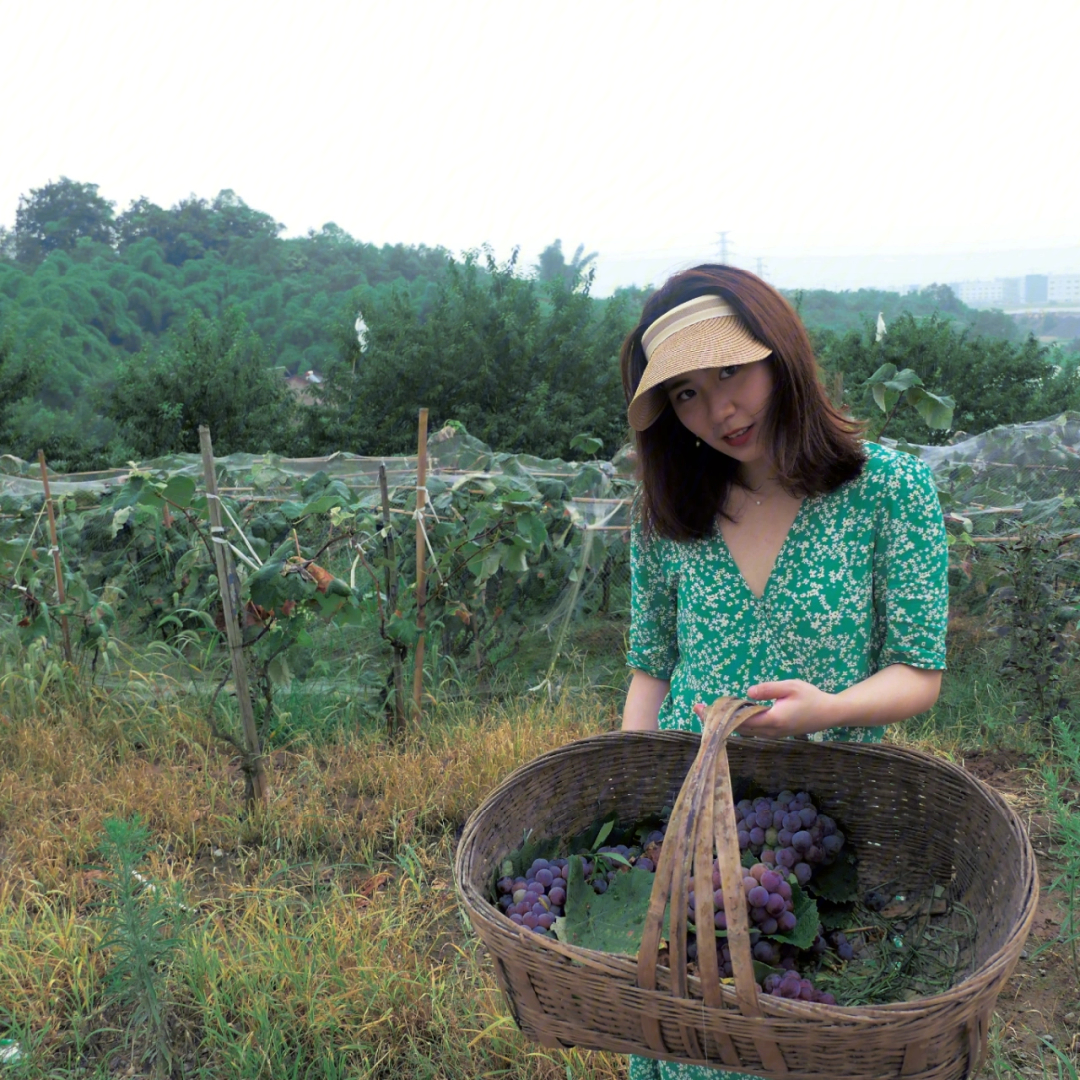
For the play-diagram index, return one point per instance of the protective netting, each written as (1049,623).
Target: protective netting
(999,490)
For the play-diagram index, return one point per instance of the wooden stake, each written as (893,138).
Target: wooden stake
(257,789)
(64,630)
(421,566)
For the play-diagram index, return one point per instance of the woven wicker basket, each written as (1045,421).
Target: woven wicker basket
(911,818)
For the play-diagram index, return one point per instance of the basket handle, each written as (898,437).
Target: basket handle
(703,820)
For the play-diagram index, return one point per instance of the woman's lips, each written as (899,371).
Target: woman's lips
(740,437)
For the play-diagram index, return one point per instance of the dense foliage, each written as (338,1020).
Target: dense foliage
(993,381)
(121,332)
(524,366)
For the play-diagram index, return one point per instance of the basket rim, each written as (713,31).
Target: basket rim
(478,907)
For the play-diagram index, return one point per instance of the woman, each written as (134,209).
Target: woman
(774,556)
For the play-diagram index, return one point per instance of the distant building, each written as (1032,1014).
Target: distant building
(980,293)
(1035,289)
(1011,292)
(1063,288)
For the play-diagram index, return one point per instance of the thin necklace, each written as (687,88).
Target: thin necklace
(757,501)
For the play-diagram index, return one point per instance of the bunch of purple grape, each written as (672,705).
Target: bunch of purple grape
(788,833)
(767,894)
(791,985)
(535,900)
(835,939)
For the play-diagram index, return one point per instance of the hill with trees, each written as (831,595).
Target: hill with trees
(121,332)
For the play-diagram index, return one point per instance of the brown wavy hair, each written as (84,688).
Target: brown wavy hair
(815,447)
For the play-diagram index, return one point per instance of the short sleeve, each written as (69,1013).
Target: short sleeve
(653,607)
(911,585)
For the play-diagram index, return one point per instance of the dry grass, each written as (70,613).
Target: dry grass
(325,938)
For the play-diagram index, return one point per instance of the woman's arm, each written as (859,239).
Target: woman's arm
(643,701)
(895,693)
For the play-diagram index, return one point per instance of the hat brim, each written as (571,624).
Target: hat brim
(711,343)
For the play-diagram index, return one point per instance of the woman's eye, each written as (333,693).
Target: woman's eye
(684,395)
(727,372)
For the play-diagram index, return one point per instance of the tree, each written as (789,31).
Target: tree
(57,216)
(524,367)
(552,265)
(992,381)
(211,373)
(195,226)
(19,379)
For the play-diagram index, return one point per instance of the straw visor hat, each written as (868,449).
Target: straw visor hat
(702,333)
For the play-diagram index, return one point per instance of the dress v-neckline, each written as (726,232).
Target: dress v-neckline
(776,562)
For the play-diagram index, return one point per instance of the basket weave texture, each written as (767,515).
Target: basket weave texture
(913,820)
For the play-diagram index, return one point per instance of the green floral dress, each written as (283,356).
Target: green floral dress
(860,583)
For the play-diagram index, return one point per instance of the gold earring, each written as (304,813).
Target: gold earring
(697,442)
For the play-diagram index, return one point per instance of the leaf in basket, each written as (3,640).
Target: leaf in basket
(835,916)
(612,922)
(807,921)
(748,859)
(604,833)
(838,882)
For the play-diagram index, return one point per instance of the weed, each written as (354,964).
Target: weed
(142,925)
(1066,815)
(1035,606)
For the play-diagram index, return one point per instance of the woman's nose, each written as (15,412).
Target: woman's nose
(721,406)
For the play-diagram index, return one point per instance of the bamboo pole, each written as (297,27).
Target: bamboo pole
(421,566)
(60,596)
(257,787)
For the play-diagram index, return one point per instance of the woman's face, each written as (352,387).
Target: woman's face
(726,407)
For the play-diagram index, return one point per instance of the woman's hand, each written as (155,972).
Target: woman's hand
(799,708)
(895,693)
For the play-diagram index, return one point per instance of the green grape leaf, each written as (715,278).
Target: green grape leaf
(835,916)
(403,630)
(180,490)
(882,375)
(613,922)
(903,380)
(936,410)
(514,558)
(351,615)
(587,444)
(838,882)
(279,673)
(531,529)
(884,396)
(266,585)
(806,926)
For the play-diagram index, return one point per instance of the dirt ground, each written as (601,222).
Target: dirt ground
(1041,1001)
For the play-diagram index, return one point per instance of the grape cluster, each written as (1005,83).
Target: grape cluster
(767,894)
(535,900)
(791,985)
(789,838)
(834,939)
(788,833)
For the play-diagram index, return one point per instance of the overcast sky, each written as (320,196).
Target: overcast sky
(819,135)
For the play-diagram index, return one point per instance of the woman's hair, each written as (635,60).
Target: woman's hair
(814,446)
